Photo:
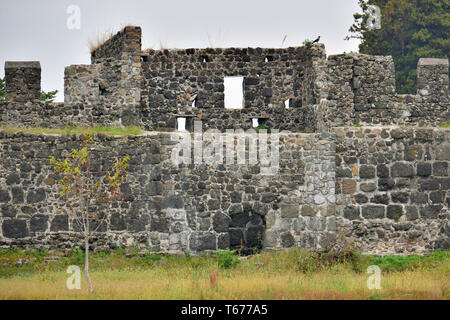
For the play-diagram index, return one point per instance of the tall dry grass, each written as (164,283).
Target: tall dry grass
(156,285)
(266,276)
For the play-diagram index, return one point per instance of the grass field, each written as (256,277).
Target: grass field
(293,274)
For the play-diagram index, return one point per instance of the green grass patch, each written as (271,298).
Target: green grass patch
(17,262)
(108,130)
(410,263)
(445,125)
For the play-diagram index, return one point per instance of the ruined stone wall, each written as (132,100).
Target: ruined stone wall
(360,89)
(386,186)
(385,189)
(24,80)
(109,90)
(125,45)
(170,208)
(39,114)
(174,79)
(152,88)
(393,188)
(103,93)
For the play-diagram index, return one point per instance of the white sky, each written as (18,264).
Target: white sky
(36,30)
(234,92)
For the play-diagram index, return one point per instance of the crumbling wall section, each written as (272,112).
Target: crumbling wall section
(191,82)
(360,89)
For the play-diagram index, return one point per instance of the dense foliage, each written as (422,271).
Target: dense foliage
(410,29)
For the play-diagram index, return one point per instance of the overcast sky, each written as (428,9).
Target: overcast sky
(37,30)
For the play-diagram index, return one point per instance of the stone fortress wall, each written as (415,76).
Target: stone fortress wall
(356,158)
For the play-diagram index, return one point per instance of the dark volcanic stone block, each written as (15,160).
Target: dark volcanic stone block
(419,197)
(367,172)
(400,169)
(15,229)
(60,223)
(380,198)
(9,211)
(159,223)
(343,173)
(394,211)
(351,213)
(240,220)
(424,169)
(436,197)
(255,237)
(382,171)
(412,213)
(4,196)
(440,169)
(39,223)
(236,238)
(429,184)
(12,178)
(373,212)
(200,241)
(221,222)
(361,198)
(35,196)
(223,241)
(117,222)
(17,193)
(287,240)
(401,197)
(430,212)
(385,184)
(137,225)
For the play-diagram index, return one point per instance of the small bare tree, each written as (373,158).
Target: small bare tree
(86,192)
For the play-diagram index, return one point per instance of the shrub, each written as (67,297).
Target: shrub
(339,250)
(77,257)
(226,258)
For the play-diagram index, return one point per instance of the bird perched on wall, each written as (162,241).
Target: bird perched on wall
(317,40)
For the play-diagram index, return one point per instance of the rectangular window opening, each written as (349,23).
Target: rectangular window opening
(181,124)
(287,103)
(260,123)
(234,92)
